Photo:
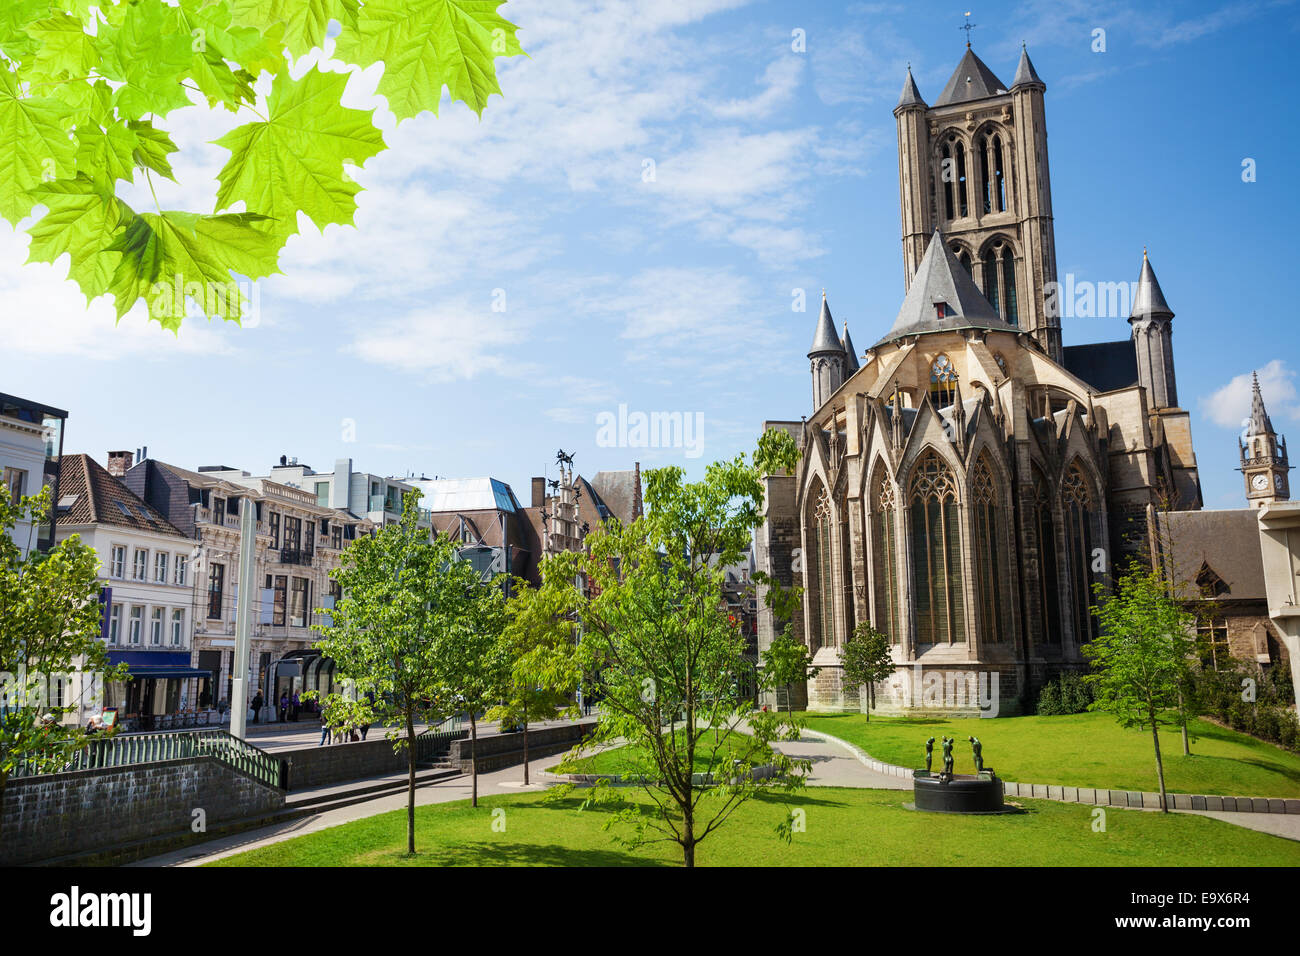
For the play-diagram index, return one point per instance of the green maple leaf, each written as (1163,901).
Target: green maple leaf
(148,58)
(302,23)
(153,146)
(64,48)
(82,219)
(294,160)
(208,24)
(107,154)
(35,146)
(430,44)
(173,257)
(15,17)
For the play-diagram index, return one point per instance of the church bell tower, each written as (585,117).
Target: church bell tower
(974,166)
(1263,455)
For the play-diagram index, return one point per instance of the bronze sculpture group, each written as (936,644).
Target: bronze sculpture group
(977,751)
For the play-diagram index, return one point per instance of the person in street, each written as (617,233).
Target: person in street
(257,707)
(295,705)
(324,729)
(284,706)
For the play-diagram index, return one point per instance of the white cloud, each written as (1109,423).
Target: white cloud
(1229,405)
(780,80)
(445,344)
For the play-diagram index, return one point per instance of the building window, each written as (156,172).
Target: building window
(993,187)
(1077,500)
(118,568)
(943,382)
(216,584)
(292,533)
(1212,641)
(947,174)
(323,494)
(963,207)
(986,529)
(135,626)
(1011,309)
(336,538)
(182,568)
(219,510)
(156,627)
(936,554)
(281,585)
(1049,594)
(274,518)
(826,602)
(298,603)
(160,567)
(141,564)
(178,627)
(884,542)
(15,479)
(311,537)
(115,624)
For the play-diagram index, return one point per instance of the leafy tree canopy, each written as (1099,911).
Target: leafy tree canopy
(86,84)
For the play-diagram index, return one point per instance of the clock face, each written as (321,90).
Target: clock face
(1259,482)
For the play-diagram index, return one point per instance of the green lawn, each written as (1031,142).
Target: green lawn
(1081,750)
(622,760)
(842,828)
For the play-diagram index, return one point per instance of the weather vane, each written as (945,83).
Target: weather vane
(968,28)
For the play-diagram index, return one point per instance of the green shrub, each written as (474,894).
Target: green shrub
(1064,694)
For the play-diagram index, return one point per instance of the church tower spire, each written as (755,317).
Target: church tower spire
(1153,333)
(827,358)
(1264,460)
(974,166)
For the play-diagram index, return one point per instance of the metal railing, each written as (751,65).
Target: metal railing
(133,749)
(436,741)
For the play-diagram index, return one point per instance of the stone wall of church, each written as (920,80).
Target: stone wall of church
(776,543)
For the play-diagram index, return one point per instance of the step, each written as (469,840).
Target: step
(343,795)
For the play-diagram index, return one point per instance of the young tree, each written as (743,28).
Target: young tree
(49,625)
(867,660)
(404,597)
(540,648)
(471,661)
(85,86)
(787,662)
(668,663)
(1141,657)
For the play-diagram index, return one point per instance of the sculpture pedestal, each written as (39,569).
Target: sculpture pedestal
(959,793)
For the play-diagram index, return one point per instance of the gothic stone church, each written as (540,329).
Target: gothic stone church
(966,480)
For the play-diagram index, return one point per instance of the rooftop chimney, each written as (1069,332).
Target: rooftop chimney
(119,463)
(539,492)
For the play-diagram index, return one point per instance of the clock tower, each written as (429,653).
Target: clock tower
(1263,456)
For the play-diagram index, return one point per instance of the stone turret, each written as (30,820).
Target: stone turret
(827,358)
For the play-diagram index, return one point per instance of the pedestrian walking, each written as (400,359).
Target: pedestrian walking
(324,729)
(295,705)
(284,706)
(257,707)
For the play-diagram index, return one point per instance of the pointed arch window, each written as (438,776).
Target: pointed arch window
(947,173)
(999,274)
(999,175)
(1076,499)
(824,625)
(1049,601)
(884,557)
(936,553)
(943,382)
(846,566)
(986,531)
(963,206)
(964,258)
(993,185)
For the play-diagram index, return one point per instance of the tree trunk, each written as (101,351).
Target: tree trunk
(410,783)
(473,758)
(1160,767)
(525,747)
(871,700)
(1182,714)
(688,839)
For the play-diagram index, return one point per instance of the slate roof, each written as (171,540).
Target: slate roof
(1106,366)
(1149,300)
(852,365)
(620,493)
(941,279)
(1226,541)
(1260,424)
(826,338)
(99,498)
(1026,75)
(911,96)
(972,80)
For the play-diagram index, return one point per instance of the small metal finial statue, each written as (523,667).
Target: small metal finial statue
(929,754)
(947,754)
(978,749)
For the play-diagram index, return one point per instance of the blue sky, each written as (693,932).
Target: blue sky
(773,171)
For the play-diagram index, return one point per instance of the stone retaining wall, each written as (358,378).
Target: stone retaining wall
(506,750)
(61,814)
(339,763)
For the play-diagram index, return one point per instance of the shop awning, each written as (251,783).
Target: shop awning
(141,664)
